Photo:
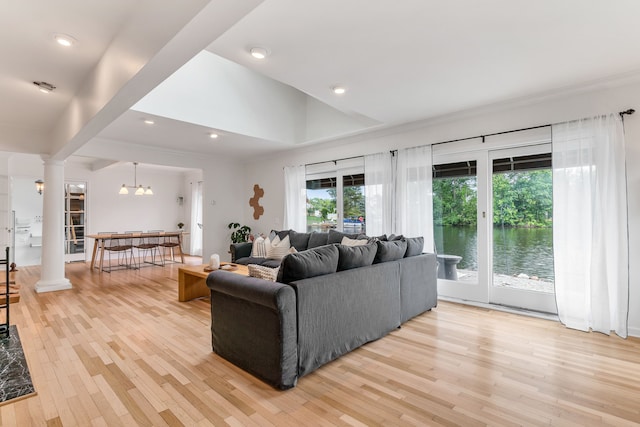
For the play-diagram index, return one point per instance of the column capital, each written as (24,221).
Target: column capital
(50,161)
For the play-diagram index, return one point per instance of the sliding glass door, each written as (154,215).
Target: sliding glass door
(522,233)
(459,194)
(492,209)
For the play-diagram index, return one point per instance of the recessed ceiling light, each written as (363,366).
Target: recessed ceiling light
(213,135)
(44,87)
(64,40)
(259,52)
(339,90)
(149,121)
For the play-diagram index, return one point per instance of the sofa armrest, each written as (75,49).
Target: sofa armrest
(254,326)
(240,250)
(418,285)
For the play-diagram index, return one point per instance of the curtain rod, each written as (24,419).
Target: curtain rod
(629,112)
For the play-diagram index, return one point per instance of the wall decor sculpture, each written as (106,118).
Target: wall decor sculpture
(254,202)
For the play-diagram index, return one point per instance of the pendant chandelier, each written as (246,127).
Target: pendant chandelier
(138,187)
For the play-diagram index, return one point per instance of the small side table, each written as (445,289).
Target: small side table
(447,266)
(192,280)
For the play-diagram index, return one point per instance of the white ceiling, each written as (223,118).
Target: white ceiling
(401,61)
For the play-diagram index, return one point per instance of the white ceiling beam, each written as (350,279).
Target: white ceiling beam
(139,58)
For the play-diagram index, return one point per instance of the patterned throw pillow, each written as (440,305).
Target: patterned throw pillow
(353,242)
(260,247)
(278,248)
(263,272)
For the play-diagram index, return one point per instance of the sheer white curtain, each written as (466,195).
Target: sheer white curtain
(196,219)
(590,224)
(414,195)
(379,193)
(295,198)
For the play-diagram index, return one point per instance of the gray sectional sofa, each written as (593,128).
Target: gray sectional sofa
(328,300)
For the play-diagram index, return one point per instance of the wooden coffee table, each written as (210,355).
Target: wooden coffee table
(192,280)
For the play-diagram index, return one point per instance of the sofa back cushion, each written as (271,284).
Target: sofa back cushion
(415,246)
(317,239)
(390,251)
(300,241)
(310,263)
(356,256)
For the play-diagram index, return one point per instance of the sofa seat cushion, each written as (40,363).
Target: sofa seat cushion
(271,263)
(390,251)
(310,263)
(250,260)
(356,256)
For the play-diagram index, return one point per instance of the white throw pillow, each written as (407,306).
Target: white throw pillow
(278,248)
(262,272)
(260,247)
(353,242)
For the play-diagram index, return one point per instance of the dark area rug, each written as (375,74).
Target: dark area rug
(15,380)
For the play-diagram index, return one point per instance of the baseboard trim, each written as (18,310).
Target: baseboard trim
(631,331)
(497,307)
(53,285)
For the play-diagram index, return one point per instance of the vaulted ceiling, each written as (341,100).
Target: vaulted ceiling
(187,66)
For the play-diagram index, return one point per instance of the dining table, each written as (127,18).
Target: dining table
(100,240)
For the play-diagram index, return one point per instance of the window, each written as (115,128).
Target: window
(335,200)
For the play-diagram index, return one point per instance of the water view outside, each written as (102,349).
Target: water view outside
(516,251)
(322,209)
(522,219)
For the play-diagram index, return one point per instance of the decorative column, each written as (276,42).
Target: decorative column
(52,273)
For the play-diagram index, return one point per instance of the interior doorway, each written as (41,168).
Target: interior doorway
(26,203)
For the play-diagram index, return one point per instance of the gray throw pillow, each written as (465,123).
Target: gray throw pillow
(317,239)
(356,256)
(310,263)
(300,241)
(390,251)
(415,245)
(393,237)
(281,234)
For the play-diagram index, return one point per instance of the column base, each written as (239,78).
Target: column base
(53,285)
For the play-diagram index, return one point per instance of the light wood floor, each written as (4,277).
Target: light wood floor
(119,349)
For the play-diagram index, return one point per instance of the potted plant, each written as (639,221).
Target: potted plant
(240,233)
(180,225)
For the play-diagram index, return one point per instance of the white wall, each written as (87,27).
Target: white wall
(495,119)
(110,211)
